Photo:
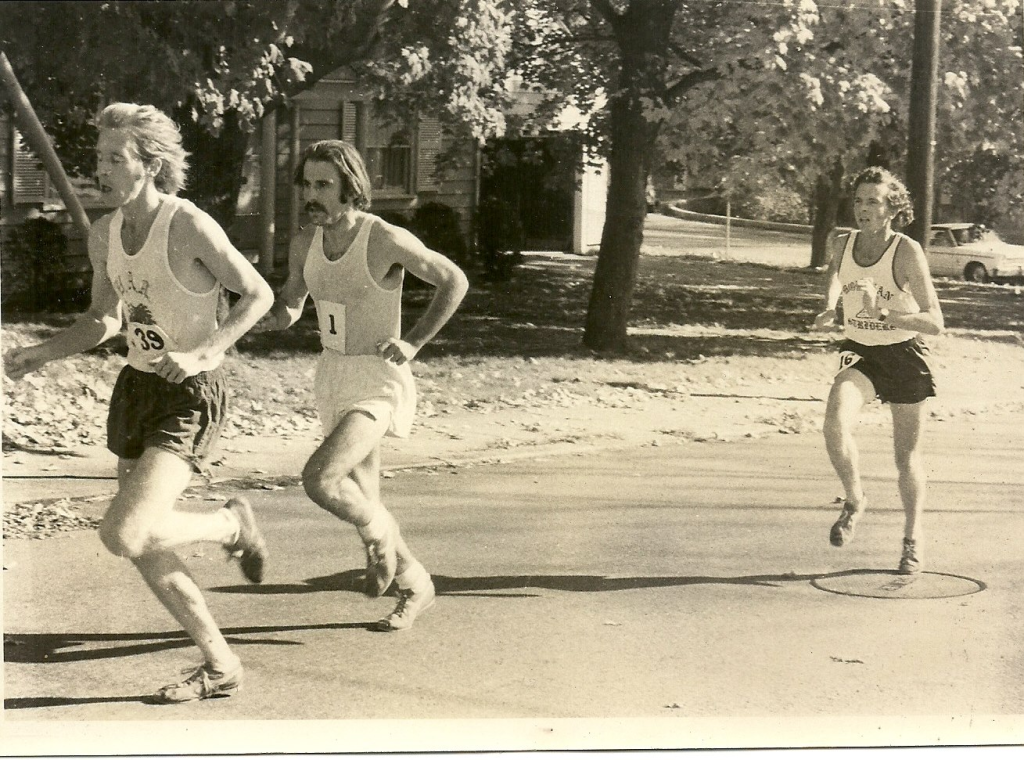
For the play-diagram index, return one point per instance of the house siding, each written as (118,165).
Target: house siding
(326,113)
(77,272)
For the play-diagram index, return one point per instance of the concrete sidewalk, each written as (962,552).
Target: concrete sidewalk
(680,595)
(462,437)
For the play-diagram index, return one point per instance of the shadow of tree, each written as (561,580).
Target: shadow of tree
(542,310)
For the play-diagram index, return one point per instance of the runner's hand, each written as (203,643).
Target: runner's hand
(395,350)
(175,366)
(268,323)
(825,321)
(19,362)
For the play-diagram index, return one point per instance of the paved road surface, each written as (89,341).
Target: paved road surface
(662,596)
(670,236)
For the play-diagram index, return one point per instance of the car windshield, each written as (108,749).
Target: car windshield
(966,235)
(963,235)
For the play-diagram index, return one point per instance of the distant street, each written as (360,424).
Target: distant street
(668,236)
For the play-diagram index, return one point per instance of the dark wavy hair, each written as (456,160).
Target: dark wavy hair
(897,195)
(355,184)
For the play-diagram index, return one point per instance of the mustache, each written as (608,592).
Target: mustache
(314,206)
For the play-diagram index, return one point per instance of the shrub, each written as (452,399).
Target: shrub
(437,225)
(35,270)
(775,204)
(500,238)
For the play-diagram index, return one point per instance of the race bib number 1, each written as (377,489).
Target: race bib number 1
(332,324)
(847,359)
(149,341)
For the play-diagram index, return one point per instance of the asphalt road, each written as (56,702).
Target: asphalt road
(672,596)
(670,236)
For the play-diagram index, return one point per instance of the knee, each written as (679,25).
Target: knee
(908,461)
(328,488)
(833,430)
(122,540)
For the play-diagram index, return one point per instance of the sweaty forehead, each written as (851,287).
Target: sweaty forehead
(115,141)
(320,171)
(871,191)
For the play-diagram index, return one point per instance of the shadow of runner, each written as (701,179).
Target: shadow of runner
(352,580)
(27,703)
(50,647)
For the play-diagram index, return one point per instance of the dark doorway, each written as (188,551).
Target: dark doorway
(536,178)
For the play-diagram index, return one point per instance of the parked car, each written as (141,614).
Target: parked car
(961,249)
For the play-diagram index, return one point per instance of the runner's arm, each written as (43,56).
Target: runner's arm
(911,270)
(448,279)
(288,307)
(232,271)
(833,288)
(99,323)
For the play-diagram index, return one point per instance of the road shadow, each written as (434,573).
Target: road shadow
(28,703)
(79,647)
(508,585)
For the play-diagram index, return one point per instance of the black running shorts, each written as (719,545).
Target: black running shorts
(185,419)
(898,372)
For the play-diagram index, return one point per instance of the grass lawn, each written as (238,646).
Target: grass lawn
(514,343)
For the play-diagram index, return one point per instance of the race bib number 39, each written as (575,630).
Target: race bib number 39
(332,324)
(148,340)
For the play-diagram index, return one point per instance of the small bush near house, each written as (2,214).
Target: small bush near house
(775,204)
(500,238)
(437,225)
(35,269)
(396,218)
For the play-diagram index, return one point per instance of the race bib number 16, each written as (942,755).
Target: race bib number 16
(148,340)
(847,359)
(332,324)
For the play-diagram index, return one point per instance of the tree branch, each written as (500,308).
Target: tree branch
(690,81)
(355,44)
(607,11)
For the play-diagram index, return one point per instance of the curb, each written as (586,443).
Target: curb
(693,216)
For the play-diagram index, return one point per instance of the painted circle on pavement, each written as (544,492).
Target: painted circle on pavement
(888,584)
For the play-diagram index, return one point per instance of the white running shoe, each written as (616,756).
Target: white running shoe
(411,602)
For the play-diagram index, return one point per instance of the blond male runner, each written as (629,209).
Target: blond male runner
(352,263)
(888,301)
(162,262)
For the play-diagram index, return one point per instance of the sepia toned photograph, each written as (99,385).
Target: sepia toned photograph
(548,376)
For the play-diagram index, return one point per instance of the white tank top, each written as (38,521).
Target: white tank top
(355,313)
(858,324)
(161,314)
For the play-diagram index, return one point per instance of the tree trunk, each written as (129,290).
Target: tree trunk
(642,35)
(827,196)
(615,277)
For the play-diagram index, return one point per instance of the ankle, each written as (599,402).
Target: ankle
(234,527)
(376,528)
(414,575)
(857,502)
(224,664)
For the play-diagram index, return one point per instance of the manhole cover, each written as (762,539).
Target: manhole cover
(888,584)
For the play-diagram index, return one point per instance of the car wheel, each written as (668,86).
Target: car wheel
(975,272)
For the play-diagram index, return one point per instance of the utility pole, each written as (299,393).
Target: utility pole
(33,132)
(921,126)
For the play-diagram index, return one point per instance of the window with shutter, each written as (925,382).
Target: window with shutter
(349,117)
(428,146)
(387,152)
(30,183)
